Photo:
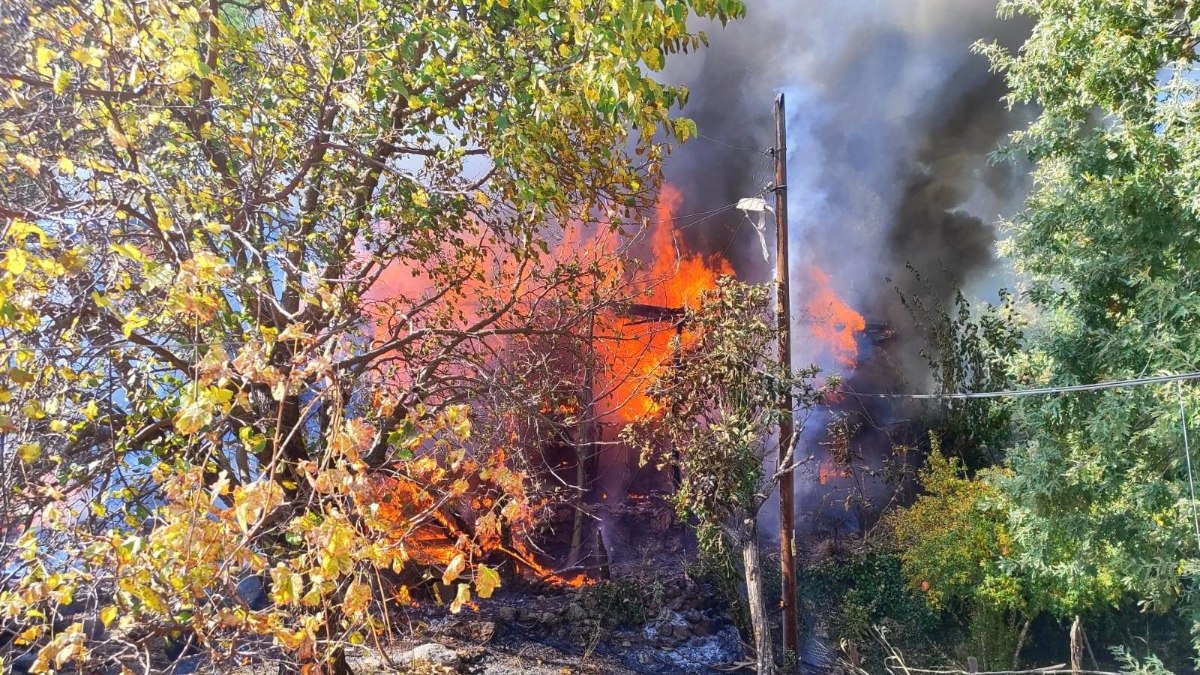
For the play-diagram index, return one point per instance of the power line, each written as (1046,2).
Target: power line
(721,143)
(702,215)
(1039,391)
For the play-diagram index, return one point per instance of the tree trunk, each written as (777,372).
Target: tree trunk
(602,556)
(577,526)
(1076,646)
(583,444)
(759,623)
(1016,664)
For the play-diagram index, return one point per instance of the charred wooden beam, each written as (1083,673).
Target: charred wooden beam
(655,313)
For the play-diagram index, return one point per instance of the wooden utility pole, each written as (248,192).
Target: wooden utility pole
(787,494)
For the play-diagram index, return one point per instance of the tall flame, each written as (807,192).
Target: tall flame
(679,277)
(831,321)
(634,350)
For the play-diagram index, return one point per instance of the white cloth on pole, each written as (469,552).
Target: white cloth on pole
(759,205)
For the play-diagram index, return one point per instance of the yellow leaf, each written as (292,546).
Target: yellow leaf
(420,198)
(454,569)
(65,165)
(15,262)
(358,597)
(128,250)
(29,634)
(108,615)
(118,139)
(29,452)
(486,581)
(62,80)
(42,58)
(461,598)
(19,230)
(86,57)
(286,585)
(132,322)
(178,70)
(653,58)
(192,418)
(33,165)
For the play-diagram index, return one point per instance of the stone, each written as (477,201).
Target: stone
(506,613)
(575,613)
(681,632)
(432,654)
(253,592)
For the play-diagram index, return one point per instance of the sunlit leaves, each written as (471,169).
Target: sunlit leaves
(461,597)
(454,569)
(287,586)
(1107,246)
(206,203)
(487,580)
(29,452)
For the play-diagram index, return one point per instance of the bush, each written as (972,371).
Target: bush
(866,588)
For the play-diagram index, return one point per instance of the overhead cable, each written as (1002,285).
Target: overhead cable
(1038,391)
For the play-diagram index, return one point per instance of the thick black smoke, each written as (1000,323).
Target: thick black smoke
(891,124)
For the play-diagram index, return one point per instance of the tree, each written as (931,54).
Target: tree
(957,550)
(1098,489)
(969,349)
(255,255)
(722,400)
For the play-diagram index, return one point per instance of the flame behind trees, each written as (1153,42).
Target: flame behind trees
(634,351)
(723,394)
(832,323)
(197,202)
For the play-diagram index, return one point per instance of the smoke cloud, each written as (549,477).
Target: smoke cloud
(891,121)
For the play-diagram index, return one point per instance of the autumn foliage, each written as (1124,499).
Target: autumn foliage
(212,372)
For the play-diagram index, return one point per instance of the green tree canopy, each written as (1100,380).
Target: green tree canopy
(1098,492)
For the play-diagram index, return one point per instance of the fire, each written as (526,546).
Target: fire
(679,277)
(634,350)
(630,352)
(832,322)
(433,536)
(828,470)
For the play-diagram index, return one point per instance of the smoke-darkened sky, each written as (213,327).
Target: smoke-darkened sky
(891,120)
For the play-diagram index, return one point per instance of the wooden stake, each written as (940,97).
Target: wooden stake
(1076,646)
(787,493)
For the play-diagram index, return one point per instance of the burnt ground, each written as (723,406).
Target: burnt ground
(656,623)
(657,614)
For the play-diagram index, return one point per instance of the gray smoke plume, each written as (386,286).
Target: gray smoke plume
(891,121)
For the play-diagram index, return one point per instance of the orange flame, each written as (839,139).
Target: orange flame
(435,540)
(832,322)
(634,350)
(829,470)
(679,276)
